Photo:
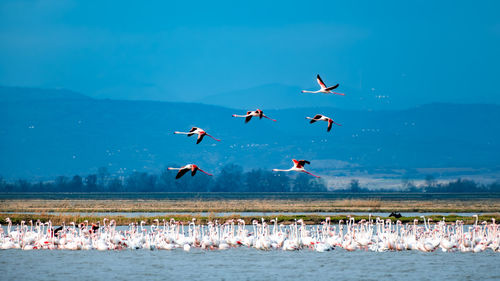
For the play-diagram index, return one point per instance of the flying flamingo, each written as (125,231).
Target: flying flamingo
(320,117)
(298,166)
(256,113)
(200,132)
(186,168)
(324,89)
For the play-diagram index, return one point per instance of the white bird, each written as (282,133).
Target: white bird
(195,130)
(320,117)
(189,167)
(379,236)
(256,113)
(324,89)
(298,166)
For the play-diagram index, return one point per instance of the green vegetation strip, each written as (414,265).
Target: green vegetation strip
(308,219)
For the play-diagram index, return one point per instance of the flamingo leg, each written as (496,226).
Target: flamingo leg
(213,137)
(311,174)
(268,118)
(204,172)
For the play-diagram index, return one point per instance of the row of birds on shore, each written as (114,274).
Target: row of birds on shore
(370,235)
(298,165)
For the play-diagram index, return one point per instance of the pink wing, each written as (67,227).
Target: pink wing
(320,82)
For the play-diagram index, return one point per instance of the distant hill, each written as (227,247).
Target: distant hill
(67,133)
(278,96)
(16,94)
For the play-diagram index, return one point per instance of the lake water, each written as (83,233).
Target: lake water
(246,264)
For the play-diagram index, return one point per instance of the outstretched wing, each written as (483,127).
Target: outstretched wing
(193,129)
(200,138)
(300,163)
(193,172)
(303,162)
(181,173)
(315,118)
(248,118)
(320,82)
(332,87)
(330,124)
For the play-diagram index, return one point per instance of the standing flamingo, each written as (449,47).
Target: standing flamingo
(195,130)
(256,113)
(324,89)
(320,117)
(189,167)
(298,166)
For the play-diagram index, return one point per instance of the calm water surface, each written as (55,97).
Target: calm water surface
(246,264)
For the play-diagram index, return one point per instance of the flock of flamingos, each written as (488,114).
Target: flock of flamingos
(298,165)
(369,235)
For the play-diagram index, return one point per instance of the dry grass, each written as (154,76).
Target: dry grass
(194,206)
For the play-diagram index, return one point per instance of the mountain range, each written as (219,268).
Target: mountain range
(278,96)
(44,133)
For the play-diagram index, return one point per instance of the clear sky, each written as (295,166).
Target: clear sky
(413,51)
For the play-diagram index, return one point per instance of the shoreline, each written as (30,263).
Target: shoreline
(286,219)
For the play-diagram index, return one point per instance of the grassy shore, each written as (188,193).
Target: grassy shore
(249,205)
(308,219)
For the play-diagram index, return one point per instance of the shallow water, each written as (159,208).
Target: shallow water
(246,264)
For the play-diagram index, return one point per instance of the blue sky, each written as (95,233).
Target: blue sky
(412,51)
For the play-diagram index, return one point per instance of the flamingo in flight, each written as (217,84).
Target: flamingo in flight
(320,117)
(195,130)
(189,167)
(256,113)
(324,89)
(298,166)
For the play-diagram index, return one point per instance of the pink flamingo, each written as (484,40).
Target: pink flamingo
(298,166)
(319,117)
(200,132)
(189,167)
(324,89)
(256,113)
